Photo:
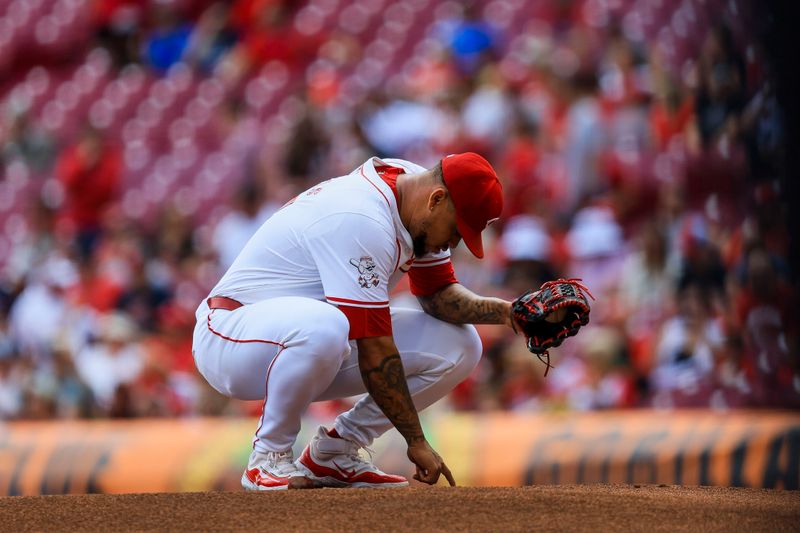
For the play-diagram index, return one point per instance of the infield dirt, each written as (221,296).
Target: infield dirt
(540,508)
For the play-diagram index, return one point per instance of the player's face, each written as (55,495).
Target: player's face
(438,231)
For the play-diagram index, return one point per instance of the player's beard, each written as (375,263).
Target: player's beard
(419,245)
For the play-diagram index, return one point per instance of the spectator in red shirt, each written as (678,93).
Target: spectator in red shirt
(671,115)
(520,161)
(93,289)
(266,33)
(90,172)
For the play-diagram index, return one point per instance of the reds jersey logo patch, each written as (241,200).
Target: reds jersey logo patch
(366,271)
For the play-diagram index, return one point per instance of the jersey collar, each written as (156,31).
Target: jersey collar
(367,170)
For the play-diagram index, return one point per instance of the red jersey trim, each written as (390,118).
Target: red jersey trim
(367,322)
(266,394)
(356,303)
(361,169)
(389,176)
(397,264)
(218,334)
(391,180)
(430,279)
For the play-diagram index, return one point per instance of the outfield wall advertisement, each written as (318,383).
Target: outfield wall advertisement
(752,449)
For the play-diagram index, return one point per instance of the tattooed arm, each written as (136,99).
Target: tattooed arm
(385,379)
(458,305)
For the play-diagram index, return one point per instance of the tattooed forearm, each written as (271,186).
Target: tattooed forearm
(387,385)
(457,304)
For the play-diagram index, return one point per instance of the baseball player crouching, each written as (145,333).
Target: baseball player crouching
(303,315)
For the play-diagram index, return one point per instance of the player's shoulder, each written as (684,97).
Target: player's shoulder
(341,188)
(348,197)
(353,191)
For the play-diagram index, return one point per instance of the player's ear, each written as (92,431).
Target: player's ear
(438,196)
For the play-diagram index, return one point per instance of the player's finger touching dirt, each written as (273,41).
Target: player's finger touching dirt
(384,376)
(429,463)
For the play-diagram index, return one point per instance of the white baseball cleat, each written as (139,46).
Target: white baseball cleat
(335,462)
(269,471)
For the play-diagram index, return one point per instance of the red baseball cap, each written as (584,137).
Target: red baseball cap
(476,193)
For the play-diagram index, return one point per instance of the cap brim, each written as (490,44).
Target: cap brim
(471,238)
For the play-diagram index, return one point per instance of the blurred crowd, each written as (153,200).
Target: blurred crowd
(641,154)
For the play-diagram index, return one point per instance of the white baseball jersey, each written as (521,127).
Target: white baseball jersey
(341,241)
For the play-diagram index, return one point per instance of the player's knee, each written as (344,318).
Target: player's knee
(470,349)
(330,331)
(472,346)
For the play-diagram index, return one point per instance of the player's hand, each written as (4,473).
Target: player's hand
(429,464)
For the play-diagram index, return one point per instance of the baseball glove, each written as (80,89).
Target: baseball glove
(531,313)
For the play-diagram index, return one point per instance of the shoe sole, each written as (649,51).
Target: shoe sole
(250,486)
(332,482)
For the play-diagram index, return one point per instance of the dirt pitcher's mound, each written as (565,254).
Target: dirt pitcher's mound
(586,508)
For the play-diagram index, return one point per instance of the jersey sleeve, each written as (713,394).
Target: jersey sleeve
(355,255)
(430,273)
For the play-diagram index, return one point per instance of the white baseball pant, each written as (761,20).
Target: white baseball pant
(291,351)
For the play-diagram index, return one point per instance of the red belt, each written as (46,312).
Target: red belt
(223,302)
